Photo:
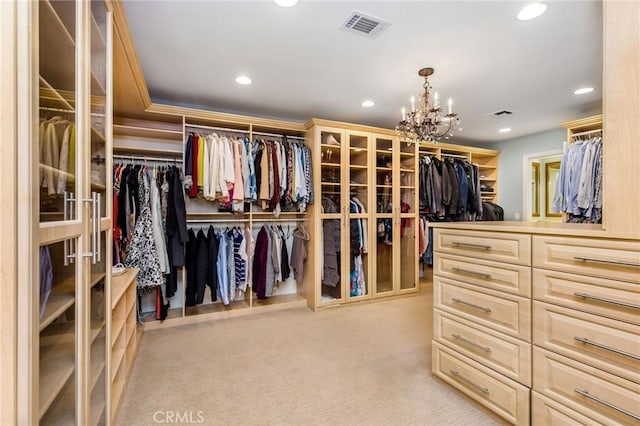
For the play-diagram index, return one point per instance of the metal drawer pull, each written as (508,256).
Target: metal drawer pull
(464,379)
(611,262)
(482,308)
(586,394)
(459,337)
(606,348)
(467,271)
(461,244)
(605,300)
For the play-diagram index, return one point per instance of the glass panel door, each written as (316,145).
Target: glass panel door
(384,215)
(332,202)
(99,23)
(57,162)
(58,328)
(408,219)
(358,241)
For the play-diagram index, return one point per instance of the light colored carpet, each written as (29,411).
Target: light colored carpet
(359,365)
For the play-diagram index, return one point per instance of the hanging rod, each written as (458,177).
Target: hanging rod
(588,132)
(274,219)
(67,111)
(142,158)
(217,220)
(222,129)
(454,155)
(278,136)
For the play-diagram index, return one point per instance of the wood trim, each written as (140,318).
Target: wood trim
(228,118)
(121,31)
(27,213)
(583,123)
(8,205)
(621,200)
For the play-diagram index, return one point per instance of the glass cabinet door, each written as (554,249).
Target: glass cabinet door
(407,215)
(331,191)
(57,160)
(384,215)
(99,175)
(358,223)
(58,330)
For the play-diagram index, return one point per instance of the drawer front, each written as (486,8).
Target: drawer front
(547,412)
(610,345)
(499,311)
(603,397)
(503,247)
(505,354)
(498,276)
(501,395)
(612,259)
(614,299)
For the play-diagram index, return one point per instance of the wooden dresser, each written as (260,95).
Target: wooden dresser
(539,322)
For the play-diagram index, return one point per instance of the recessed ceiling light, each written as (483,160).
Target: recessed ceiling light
(243,79)
(286,3)
(583,90)
(505,130)
(531,11)
(368,103)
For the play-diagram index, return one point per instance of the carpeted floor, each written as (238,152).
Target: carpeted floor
(358,365)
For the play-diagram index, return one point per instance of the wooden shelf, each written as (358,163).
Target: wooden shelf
(384,186)
(331,165)
(120,284)
(117,358)
(146,132)
(137,150)
(384,151)
(483,167)
(358,167)
(51,98)
(324,145)
(384,169)
(485,179)
(216,307)
(98,187)
(278,300)
(57,364)
(407,170)
(57,304)
(57,47)
(97,409)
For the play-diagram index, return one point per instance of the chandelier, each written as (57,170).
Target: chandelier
(426,121)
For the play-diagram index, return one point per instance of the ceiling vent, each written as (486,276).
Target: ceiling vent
(502,113)
(364,24)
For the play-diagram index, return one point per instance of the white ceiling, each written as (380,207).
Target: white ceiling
(304,66)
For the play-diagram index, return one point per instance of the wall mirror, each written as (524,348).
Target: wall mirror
(551,172)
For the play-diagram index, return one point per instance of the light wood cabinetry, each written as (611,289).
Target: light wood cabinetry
(65,51)
(365,214)
(124,336)
(583,322)
(482,316)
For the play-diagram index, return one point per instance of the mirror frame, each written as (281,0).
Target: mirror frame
(535,190)
(549,194)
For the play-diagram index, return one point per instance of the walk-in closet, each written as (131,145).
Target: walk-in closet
(241,213)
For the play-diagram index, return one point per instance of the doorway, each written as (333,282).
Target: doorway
(540,173)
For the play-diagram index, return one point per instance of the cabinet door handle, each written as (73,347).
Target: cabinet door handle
(609,262)
(471,245)
(469,272)
(605,300)
(67,214)
(462,302)
(606,348)
(99,226)
(464,379)
(586,394)
(469,342)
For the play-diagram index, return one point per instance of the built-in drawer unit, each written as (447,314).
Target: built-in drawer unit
(610,345)
(498,246)
(500,311)
(498,276)
(505,397)
(603,397)
(613,299)
(505,354)
(547,412)
(611,259)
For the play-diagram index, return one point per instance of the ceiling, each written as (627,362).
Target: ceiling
(303,65)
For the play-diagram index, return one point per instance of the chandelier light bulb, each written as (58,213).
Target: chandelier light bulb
(450,103)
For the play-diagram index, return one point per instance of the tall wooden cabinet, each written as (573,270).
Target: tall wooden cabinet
(364,241)
(64,139)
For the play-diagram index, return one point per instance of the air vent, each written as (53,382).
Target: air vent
(365,25)
(502,113)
